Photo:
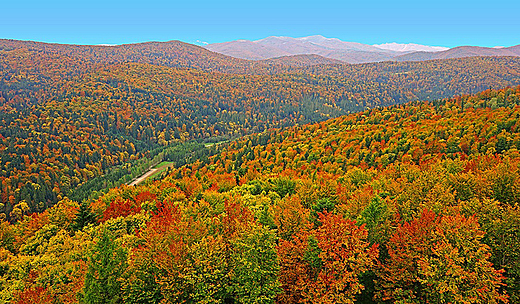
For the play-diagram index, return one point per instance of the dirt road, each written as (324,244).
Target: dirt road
(143,177)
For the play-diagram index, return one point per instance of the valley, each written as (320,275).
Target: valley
(163,172)
(107,115)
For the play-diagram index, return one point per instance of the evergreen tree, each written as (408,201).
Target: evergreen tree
(83,217)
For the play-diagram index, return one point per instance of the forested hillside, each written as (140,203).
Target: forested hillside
(411,203)
(78,120)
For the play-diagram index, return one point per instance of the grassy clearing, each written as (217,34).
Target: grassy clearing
(162,164)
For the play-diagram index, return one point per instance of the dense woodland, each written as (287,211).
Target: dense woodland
(410,203)
(76,121)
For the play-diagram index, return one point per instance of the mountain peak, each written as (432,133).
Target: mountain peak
(314,37)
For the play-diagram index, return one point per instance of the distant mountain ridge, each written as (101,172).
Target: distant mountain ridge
(460,52)
(410,47)
(349,52)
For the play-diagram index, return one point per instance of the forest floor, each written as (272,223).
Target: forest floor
(152,172)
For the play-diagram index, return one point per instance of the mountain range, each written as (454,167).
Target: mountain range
(349,52)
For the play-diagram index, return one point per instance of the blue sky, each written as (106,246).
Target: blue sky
(443,23)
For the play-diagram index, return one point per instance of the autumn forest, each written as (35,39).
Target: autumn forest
(293,180)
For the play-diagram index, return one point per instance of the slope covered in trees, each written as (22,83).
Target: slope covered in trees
(414,203)
(172,54)
(78,119)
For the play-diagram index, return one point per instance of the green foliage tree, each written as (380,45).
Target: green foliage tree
(139,285)
(255,263)
(107,263)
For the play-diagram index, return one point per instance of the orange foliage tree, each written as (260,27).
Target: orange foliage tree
(439,259)
(322,264)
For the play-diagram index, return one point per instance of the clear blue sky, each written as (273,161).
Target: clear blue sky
(444,23)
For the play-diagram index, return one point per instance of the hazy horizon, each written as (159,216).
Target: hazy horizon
(204,43)
(443,23)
